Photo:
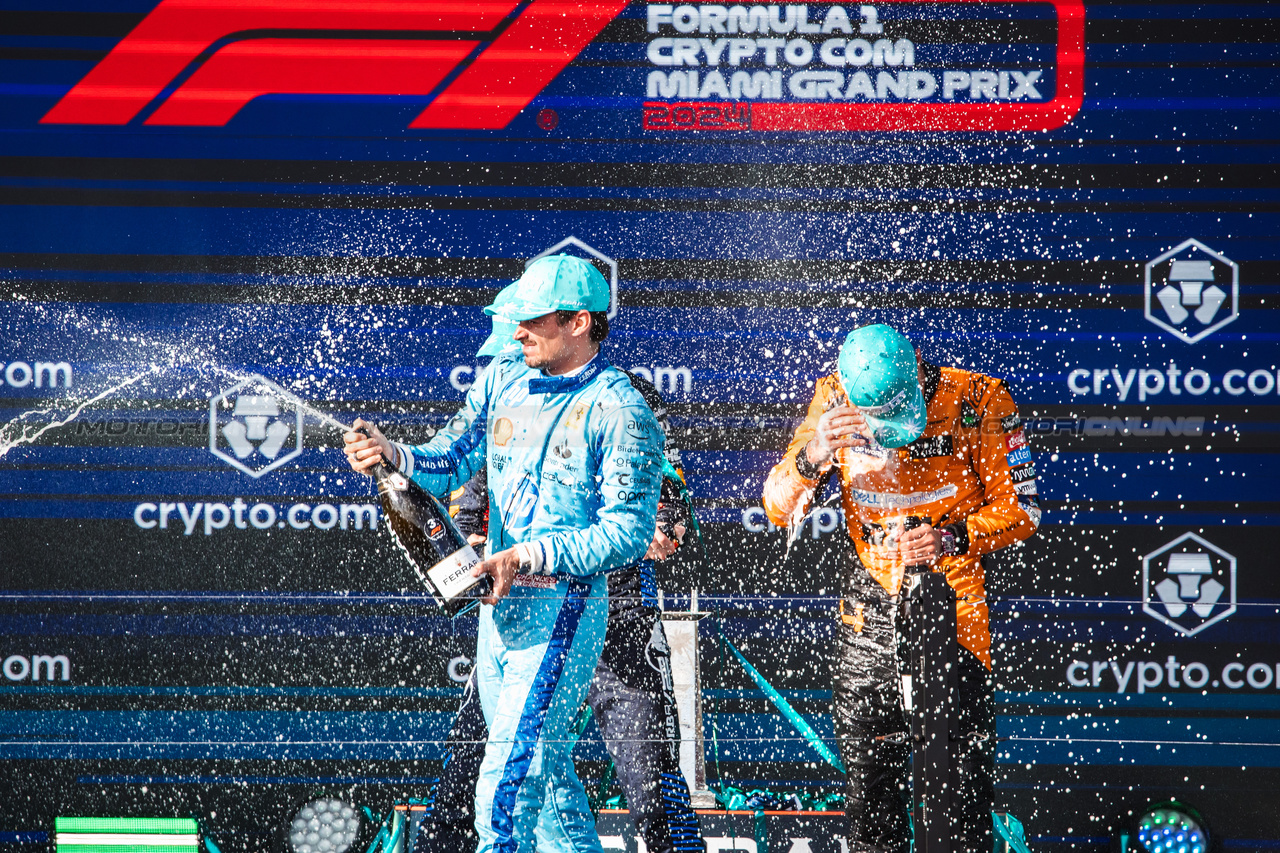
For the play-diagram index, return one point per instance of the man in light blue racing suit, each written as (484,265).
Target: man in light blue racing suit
(631,694)
(574,459)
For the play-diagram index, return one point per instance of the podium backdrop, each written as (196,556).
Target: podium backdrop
(220,223)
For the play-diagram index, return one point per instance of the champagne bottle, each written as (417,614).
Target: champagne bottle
(861,458)
(911,522)
(435,548)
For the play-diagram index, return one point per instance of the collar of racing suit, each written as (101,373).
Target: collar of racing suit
(932,375)
(570,381)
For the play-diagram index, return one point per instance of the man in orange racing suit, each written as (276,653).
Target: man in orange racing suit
(945,446)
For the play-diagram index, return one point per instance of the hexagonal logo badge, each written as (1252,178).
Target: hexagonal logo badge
(611,265)
(1191,291)
(1189,584)
(255,425)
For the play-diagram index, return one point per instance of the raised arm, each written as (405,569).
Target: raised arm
(787,489)
(457,452)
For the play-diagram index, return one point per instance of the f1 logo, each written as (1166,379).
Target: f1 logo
(201,62)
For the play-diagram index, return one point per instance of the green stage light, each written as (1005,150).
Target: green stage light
(1171,827)
(126,835)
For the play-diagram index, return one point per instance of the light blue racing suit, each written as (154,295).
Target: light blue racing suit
(574,469)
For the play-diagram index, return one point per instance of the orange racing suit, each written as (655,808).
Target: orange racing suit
(970,471)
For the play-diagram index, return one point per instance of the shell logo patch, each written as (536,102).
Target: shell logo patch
(503,429)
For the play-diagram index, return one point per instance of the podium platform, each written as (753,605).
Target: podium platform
(740,831)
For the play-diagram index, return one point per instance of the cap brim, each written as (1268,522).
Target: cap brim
(502,300)
(494,345)
(901,426)
(518,312)
(500,339)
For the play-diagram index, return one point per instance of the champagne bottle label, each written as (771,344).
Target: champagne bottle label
(452,575)
(421,526)
(393,482)
(865,458)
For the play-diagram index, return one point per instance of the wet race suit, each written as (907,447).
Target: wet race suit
(557,451)
(970,472)
(630,696)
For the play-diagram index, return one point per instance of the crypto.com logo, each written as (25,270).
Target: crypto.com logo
(1189,584)
(190,62)
(252,422)
(1183,291)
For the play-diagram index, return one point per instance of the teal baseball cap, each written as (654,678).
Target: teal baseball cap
(554,283)
(878,371)
(500,338)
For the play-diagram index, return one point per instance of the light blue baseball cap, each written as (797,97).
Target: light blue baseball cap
(500,338)
(878,370)
(554,283)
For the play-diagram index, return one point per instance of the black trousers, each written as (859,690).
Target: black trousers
(632,700)
(872,726)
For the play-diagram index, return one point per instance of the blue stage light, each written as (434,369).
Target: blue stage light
(1171,827)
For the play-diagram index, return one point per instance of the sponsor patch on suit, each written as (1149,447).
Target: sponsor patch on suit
(1026,472)
(1021,456)
(934,445)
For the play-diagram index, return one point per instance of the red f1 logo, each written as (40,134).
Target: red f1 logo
(203,61)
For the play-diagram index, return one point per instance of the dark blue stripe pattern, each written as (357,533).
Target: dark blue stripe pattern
(529,729)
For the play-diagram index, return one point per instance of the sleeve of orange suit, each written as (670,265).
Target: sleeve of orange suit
(785,490)
(1001,456)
